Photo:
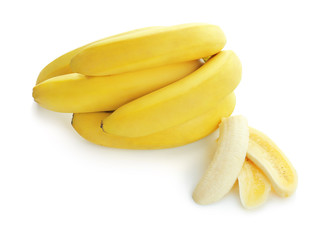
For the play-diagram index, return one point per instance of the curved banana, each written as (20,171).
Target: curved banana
(61,65)
(227,163)
(88,126)
(254,186)
(264,153)
(178,102)
(152,48)
(78,93)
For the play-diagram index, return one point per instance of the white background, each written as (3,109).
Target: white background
(56,185)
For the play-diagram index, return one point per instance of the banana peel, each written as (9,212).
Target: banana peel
(254,187)
(77,93)
(61,65)
(178,102)
(147,49)
(88,125)
(266,155)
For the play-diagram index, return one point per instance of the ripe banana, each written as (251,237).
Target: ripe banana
(178,102)
(148,49)
(61,65)
(265,154)
(227,163)
(169,86)
(88,126)
(78,93)
(254,186)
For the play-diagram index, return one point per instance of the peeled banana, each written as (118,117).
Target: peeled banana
(148,49)
(178,102)
(227,163)
(78,93)
(264,153)
(88,126)
(253,185)
(163,95)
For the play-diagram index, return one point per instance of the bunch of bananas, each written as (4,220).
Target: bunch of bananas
(144,89)
(150,88)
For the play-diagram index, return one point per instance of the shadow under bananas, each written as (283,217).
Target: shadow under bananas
(54,118)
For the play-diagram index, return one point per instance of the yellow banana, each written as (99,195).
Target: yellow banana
(88,126)
(254,186)
(147,49)
(78,93)
(228,160)
(178,102)
(264,153)
(61,65)
(168,86)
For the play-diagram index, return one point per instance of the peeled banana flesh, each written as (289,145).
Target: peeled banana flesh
(163,87)
(223,170)
(247,155)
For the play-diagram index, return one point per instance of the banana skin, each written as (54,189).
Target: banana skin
(61,65)
(147,49)
(178,102)
(77,93)
(88,125)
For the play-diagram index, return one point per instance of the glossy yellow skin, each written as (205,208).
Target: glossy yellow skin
(88,125)
(77,93)
(178,102)
(148,49)
(61,65)
(254,186)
